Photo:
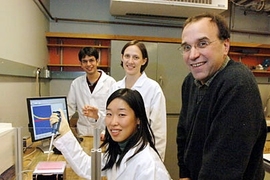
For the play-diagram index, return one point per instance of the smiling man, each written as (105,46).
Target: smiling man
(89,92)
(222,129)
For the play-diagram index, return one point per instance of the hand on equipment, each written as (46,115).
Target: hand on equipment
(64,126)
(91,112)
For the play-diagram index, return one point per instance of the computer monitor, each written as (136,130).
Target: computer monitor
(39,112)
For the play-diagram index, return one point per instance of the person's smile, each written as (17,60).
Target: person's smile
(199,64)
(115,132)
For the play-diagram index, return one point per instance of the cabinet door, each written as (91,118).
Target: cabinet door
(171,71)
(117,72)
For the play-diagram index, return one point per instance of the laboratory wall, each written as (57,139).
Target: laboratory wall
(23,43)
(93,17)
(22,32)
(96,19)
(98,12)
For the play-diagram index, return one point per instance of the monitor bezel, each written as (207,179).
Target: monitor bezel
(30,119)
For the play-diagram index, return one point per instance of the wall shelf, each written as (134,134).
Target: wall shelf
(63,52)
(246,54)
(262,73)
(73,65)
(251,54)
(64,47)
(78,46)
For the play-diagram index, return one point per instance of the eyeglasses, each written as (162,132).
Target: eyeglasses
(201,44)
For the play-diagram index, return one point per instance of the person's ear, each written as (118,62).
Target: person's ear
(144,61)
(138,121)
(226,46)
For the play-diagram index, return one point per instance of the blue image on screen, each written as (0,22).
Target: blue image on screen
(42,119)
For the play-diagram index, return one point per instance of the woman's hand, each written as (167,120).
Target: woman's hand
(90,111)
(64,125)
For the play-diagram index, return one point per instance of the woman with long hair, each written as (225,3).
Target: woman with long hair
(129,142)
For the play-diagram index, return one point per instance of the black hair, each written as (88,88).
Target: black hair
(88,51)
(220,21)
(143,49)
(143,136)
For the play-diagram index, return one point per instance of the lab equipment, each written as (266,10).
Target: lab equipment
(39,112)
(96,156)
(55,128)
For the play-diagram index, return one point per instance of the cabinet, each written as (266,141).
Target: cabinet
(251,55)
(63,51)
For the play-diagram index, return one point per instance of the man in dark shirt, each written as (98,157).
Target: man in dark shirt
(222,128)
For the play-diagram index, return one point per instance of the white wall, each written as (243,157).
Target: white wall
(99,10)
(22,35)
(22,32)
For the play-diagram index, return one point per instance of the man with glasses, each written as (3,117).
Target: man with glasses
(89,92)
(222,129)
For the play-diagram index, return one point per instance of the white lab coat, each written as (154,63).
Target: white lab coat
(80,95)
(155,106)
(146,165)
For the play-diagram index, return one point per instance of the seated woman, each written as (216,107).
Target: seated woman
(130,149)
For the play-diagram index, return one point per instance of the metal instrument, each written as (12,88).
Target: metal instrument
(55,128)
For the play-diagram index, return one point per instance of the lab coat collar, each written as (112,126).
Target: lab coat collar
(124,163)
(138,83)
(100,82)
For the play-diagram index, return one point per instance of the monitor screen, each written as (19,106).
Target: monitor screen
(39,112)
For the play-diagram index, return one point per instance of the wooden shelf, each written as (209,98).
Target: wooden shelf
(247,54)
(72,65)
(250,45)
(251,54)
(261,73)
(78,46)
(64,47)
(111,37)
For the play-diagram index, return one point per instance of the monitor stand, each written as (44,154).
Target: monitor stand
(44,146)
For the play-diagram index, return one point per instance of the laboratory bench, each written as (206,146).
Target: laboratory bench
(33,155)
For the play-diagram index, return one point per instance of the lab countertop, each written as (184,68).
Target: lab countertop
(34,155)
